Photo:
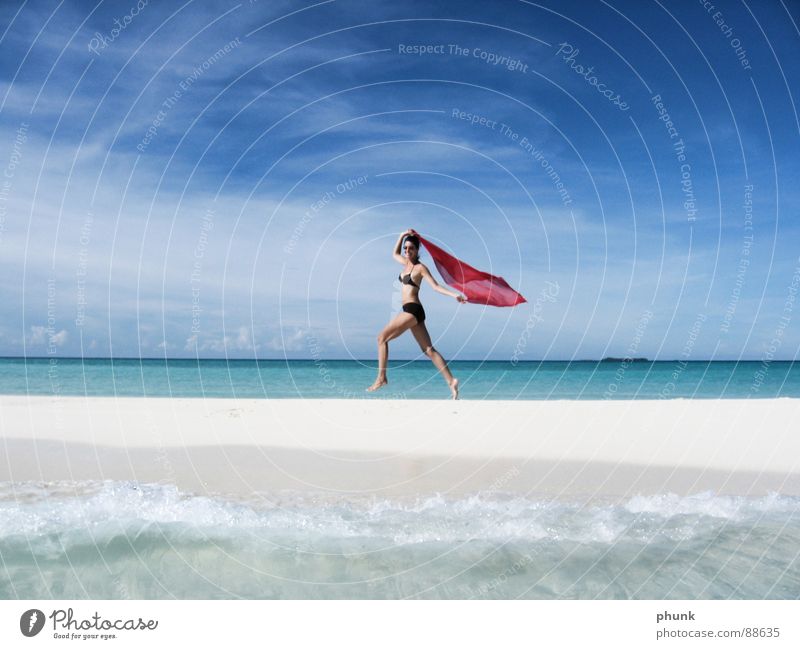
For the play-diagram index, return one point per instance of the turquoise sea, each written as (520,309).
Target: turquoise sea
(347,379)
(111,539)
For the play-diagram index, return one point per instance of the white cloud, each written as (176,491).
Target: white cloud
(242,341)
(40,336)
(37,335)
(289,341)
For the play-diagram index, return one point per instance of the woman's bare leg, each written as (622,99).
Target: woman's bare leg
(392,330)
(424,339)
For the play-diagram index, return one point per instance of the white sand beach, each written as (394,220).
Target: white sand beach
(391,447)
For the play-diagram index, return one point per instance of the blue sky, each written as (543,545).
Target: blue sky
(228,179)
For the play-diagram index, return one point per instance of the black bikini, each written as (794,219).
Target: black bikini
(406,279)
(414,308)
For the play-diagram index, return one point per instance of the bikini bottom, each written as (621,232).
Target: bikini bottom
(415,309)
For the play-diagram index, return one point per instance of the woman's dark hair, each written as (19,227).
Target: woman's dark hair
(413,239)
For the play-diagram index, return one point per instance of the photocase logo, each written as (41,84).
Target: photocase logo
(31,622)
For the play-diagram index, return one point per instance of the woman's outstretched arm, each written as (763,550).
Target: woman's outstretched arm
(439,288)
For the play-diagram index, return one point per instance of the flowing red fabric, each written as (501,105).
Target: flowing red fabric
(479,287)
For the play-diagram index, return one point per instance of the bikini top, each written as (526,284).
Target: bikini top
(406,279)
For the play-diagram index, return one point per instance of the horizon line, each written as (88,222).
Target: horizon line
(605,359)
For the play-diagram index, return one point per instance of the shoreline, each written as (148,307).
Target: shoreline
(587,449)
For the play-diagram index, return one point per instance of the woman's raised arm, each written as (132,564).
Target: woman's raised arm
(398,247)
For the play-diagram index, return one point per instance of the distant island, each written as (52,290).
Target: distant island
(614,359)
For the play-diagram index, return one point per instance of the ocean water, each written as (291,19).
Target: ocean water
(326,379)
(110,540)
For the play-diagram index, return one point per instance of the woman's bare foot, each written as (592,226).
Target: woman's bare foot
(379,383)
(454,388)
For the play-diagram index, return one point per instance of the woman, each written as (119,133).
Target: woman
(413,316)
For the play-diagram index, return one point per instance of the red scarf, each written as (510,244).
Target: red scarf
(479,287)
